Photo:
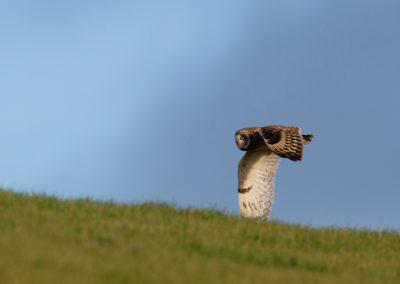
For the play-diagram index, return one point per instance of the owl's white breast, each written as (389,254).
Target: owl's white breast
(256,173)
(255,163)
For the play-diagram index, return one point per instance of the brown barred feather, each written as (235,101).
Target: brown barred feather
(285,141)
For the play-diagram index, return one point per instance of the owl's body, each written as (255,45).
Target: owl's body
(264,147)
(256,183)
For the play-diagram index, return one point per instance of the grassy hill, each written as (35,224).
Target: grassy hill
(47,240)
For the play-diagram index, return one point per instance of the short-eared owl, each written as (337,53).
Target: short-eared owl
(264,147)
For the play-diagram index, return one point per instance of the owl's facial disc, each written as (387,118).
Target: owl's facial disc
(242,140)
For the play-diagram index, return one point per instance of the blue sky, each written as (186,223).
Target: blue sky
(137,101)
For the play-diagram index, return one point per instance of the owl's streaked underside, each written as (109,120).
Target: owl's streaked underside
(264,147)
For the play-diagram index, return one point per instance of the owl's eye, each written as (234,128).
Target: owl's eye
(242,137)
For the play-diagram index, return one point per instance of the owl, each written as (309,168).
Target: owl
(264,147)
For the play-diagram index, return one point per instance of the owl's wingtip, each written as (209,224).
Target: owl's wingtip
(307,138)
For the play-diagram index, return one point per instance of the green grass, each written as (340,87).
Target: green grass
(47,240)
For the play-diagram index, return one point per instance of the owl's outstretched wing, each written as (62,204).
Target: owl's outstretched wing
(256,183)
(285,141)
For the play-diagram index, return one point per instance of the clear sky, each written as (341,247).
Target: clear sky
(137,101)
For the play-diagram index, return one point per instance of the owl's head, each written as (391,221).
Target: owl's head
(249,139)
(243,139)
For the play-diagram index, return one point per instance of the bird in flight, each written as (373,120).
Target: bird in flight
(264,147)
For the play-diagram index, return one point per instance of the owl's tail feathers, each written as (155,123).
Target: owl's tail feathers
(307,138)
